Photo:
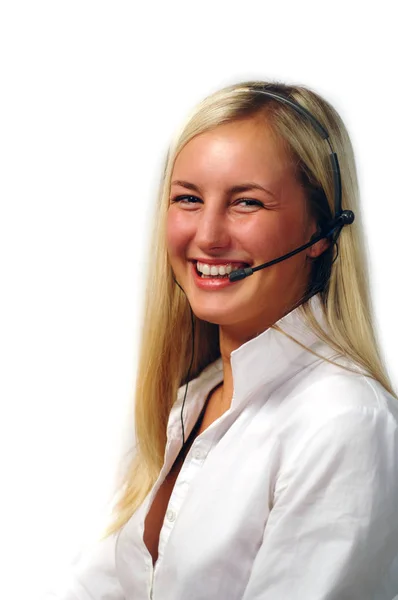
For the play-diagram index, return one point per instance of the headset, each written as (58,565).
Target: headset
(331,230)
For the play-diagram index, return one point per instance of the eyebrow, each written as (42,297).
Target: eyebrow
(242,187)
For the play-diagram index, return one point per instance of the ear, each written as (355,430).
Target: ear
(319,247)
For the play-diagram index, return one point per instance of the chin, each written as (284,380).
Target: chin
(218,315)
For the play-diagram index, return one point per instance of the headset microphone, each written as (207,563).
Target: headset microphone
(345,218)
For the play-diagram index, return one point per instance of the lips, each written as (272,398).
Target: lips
(212,283)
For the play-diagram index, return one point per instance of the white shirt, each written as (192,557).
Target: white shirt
(292,494)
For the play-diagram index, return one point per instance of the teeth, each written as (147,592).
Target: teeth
(215,270)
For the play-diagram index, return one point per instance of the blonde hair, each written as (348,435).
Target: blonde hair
(166,336)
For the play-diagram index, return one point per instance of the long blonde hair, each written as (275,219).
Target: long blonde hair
(166,336)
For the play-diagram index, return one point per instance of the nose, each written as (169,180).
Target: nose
(212,231)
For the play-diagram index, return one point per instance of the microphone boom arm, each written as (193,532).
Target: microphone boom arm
(345,218)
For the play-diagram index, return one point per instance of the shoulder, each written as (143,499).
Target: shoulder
(343,423)
(334,406)
(330,389)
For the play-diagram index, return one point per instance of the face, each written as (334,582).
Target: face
(235,201)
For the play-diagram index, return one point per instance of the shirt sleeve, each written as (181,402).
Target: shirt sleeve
(92,577)
(332,533)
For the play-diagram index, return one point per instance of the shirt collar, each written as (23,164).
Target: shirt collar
(263,362)
(272,357)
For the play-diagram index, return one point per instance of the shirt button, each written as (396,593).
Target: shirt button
(171,515)
(197,454)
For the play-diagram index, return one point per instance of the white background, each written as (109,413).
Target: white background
(90,95)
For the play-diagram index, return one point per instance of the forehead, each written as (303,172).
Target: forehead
(244,148)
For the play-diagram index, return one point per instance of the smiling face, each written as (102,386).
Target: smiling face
(235,200)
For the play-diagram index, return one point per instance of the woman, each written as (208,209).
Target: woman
(272,472)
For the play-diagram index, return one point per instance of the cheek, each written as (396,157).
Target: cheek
(177,233)
(271,236)
(263,237)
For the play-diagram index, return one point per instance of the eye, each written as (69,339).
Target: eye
(249,203)
(185,200)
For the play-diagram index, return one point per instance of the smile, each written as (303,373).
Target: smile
(221,270)
(214,276)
